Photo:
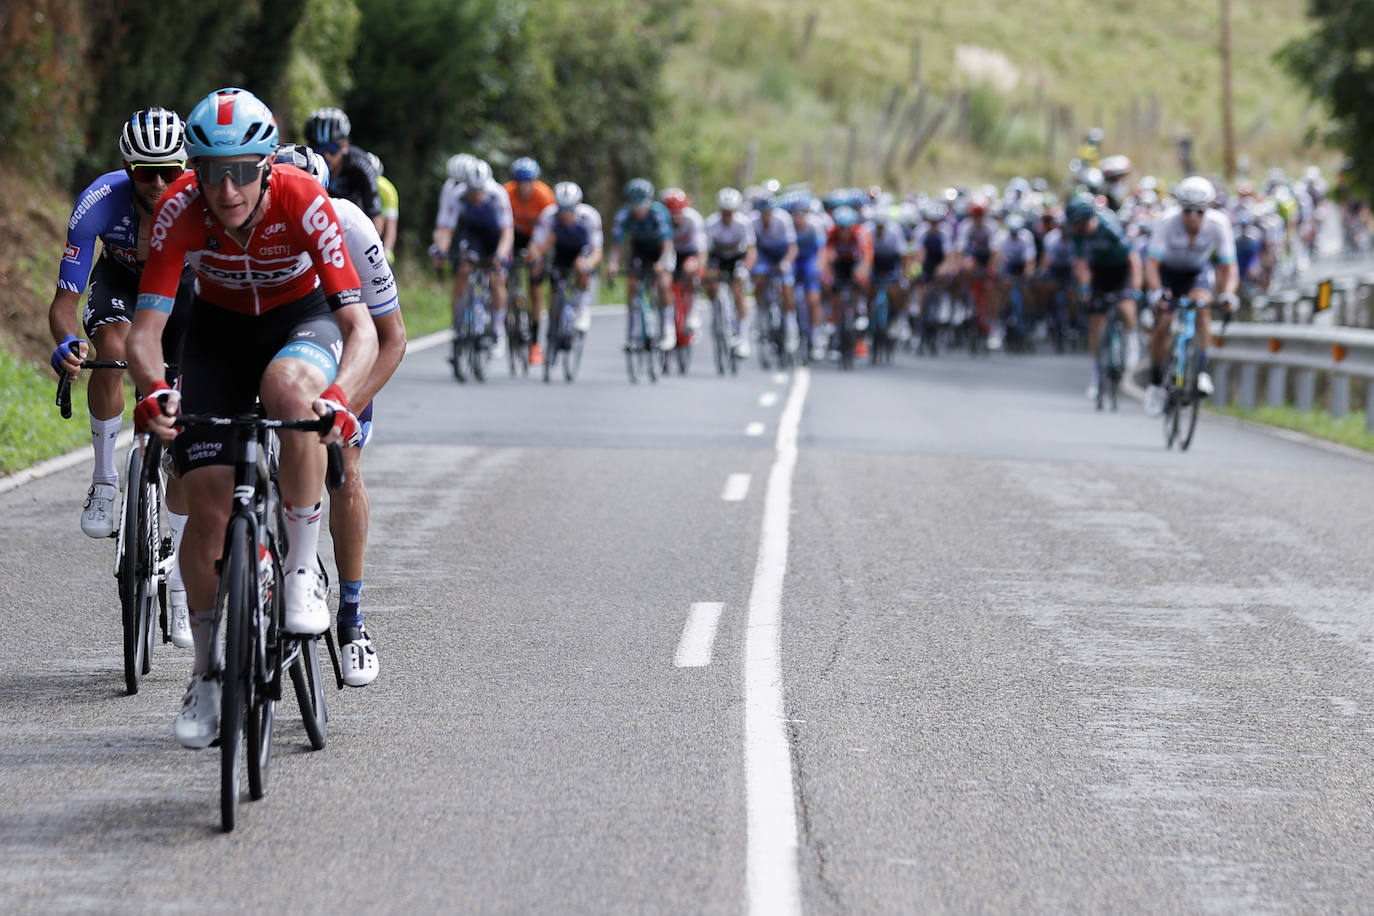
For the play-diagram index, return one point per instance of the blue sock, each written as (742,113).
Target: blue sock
(350,599)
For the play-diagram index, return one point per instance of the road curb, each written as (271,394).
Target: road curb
(60,463)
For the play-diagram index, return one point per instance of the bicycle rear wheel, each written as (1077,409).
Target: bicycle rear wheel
(458,357)
(684,358)
(308,679)
(238,588)
(1171,409)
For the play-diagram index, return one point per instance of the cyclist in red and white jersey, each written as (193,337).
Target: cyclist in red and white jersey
(278,313)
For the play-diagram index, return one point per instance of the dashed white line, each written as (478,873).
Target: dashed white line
(694,648)
(768,399)
(773,881)
(736,488)
(779,378)
(754,429)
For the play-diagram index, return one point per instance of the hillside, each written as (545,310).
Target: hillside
(1017,85)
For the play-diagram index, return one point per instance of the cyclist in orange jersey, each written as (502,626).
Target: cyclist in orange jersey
(529,197)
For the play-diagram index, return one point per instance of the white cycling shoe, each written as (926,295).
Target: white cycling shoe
(358,658)
(97,513)
(1091,393)
(197,724)
(307,611)
(583,322)
(179,624)
(1204,384)
(668,340)
(741,347)
(1154,400)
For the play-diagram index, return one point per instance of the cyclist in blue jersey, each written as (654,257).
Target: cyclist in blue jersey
(808,269)
(116,211)
(569,234)
(775,239)
(647,226)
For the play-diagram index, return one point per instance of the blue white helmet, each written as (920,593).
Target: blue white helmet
(524,169)
(305,159)
(231,122)
(376,163)
(327,125)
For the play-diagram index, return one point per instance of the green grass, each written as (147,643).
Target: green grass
(1347,430)
(31,428)
(749,72)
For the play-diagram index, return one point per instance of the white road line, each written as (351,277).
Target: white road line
(694,648)
(779,378)
(768,399)
(736,488)
(754,429)
(773,880)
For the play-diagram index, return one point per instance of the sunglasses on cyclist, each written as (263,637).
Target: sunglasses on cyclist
(211,172)
(147,174)
(330,148)
(1196,211)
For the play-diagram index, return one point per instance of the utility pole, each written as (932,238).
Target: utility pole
(1228,130)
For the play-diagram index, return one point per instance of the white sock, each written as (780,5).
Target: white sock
(303,534)
(202,622)
(103,436)
(177,524)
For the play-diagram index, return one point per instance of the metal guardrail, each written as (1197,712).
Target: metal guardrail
(1338,355)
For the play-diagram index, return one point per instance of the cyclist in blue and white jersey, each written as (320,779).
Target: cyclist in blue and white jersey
(647,227)
(730,241)
(775,240)
(809,270)
(571,231)
(891,262)
(689,239)
(349,506)
(116,211)
(477,209)
(1183,246)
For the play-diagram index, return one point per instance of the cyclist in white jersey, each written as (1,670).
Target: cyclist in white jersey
(572,231)
(349,506)
(730,246)
(1183,245)
(689,239)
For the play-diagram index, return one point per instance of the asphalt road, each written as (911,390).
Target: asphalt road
(1029,662)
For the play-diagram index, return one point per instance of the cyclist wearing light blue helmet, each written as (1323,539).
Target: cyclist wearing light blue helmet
(278,315)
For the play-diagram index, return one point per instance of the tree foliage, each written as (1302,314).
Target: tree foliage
(1336,62)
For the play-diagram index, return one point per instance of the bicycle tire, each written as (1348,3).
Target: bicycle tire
(307,677)
(572,357)
(260,714)
(1171,408)
(238,588)
(457,356)
(1194,397)
(134,642)
(684,358)
(149,546)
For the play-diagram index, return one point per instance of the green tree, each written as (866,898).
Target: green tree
(1336,62)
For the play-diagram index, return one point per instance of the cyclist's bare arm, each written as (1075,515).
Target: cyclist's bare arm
(507,243)
(1134,262)
(443,238)
(360,349)
(1152,281)
(391,346)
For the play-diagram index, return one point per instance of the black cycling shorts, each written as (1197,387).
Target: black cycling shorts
(725,264)
(113,295)
(1181,283)
(223,361)
(1108,283)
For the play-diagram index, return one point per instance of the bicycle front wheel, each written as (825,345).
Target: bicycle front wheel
(238,590)
(1194,403)
(135,642)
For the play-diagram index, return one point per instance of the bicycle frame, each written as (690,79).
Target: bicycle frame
(1185,329)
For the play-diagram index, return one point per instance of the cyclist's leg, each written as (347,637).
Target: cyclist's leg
(348,522)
